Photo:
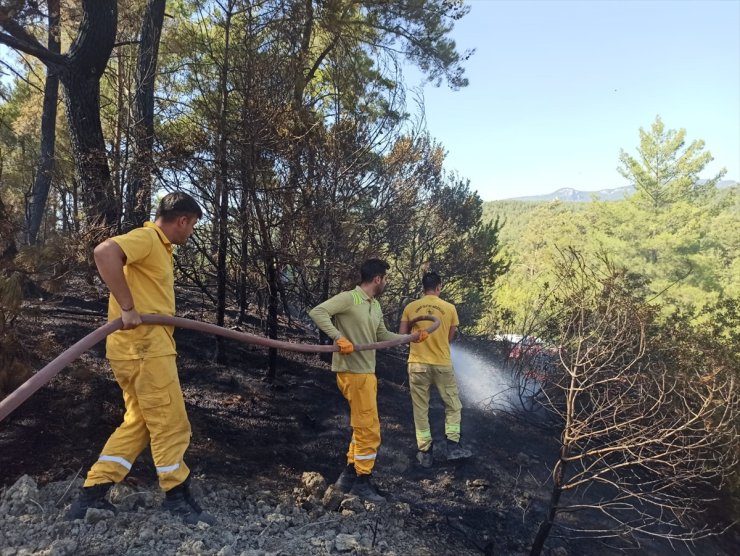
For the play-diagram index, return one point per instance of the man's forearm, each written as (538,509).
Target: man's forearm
(382,333)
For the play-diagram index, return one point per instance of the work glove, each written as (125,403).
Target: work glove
(421,335)
(345,346)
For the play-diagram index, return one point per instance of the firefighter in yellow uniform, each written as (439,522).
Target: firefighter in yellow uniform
(430,364)
(138,269)
(358,319)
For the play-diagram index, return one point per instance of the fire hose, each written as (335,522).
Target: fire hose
(44,376)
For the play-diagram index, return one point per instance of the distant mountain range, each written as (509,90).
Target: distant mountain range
(577,196)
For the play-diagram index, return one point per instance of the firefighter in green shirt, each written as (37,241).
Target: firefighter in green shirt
(358,319)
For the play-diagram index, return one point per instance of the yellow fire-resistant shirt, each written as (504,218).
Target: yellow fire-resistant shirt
(149,272)
(436,349)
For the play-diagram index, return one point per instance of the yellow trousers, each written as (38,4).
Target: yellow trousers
(361,391)
(155,414)
(421,378)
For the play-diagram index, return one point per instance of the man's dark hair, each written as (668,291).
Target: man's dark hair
(177,204)
(372,268)
(430,281)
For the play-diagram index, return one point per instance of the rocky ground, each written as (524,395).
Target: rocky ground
(262,455)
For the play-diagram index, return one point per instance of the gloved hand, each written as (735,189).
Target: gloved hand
(421,335)
(345,346)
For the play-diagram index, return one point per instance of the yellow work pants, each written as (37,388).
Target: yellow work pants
(155,414)
(421,378)
(361,391)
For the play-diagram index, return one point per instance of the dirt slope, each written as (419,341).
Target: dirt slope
(252,445)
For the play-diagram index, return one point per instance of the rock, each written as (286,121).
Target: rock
(250,524)
(277,522)
(21,498)
(128,499)
(332,498)
(63,547)
(313,482)
(401,508)
(255,526)
(345,543)
(558,551)
(382,546)
(95,515)
(477,484)
(352,504)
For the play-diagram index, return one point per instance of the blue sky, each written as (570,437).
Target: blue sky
(558,87)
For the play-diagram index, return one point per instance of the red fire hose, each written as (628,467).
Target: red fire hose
(28,388)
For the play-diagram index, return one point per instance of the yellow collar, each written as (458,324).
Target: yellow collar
(163,238)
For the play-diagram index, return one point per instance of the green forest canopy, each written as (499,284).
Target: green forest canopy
(687,250)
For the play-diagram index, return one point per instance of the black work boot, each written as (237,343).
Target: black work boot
(90,497)
(180,501)
(346,480)
(456,451)
(425,459)
(365,488)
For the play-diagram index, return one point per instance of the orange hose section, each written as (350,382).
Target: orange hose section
(28,388)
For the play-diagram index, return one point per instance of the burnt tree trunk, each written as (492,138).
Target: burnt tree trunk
(222,192)
(247,183)
(324,280)
(42,183)
(243,257)
(543,531)
(8,248)
(272,315)
(139,194)
(86,60)
(269,260)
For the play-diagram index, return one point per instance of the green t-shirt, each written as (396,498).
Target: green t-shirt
(358,318)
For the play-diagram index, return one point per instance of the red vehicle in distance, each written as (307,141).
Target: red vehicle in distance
(534,356)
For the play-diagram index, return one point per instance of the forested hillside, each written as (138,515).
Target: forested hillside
(678,233)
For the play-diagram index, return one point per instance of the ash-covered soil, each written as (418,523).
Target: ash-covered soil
(262,455)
